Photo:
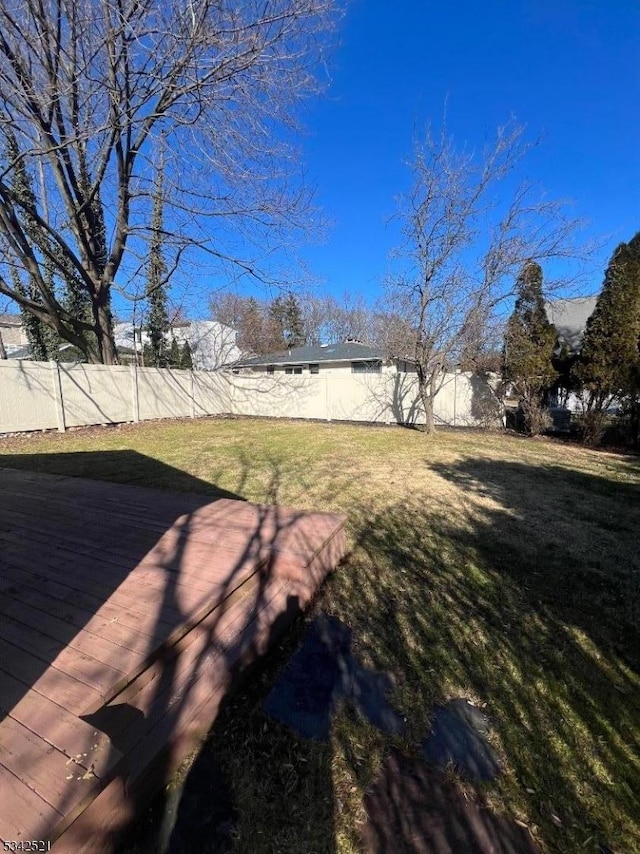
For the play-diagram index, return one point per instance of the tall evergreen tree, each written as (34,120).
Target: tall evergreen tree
(173,357)
(158,324)
(293,321)
(43,342)
(286,321)
(608,368)
(528,349)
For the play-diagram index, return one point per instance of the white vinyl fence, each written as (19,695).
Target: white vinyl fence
(45,395)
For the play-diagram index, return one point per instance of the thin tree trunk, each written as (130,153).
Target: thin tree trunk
(427,403)
(3,352)
(429,423)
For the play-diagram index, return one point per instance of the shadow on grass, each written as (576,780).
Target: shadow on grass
(119,467)
(524,598)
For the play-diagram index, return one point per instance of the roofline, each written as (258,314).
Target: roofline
(249,363)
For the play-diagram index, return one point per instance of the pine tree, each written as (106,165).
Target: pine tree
(273,327)
(186,359)
(608,368)
(293,322)
(158,325)
(528,349)
(147,356)
(285,325)
(173,359)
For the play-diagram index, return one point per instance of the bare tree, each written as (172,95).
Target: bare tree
(330,319)
(89,88)
(463,247)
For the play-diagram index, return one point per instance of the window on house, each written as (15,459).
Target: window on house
(271,369)
(293,369)
(372,367)
(314,369)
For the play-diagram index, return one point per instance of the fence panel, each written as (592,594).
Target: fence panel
(96,394)
(164,393)
(405,402)
(360,397)
(212,393)
(445,404)
(27,399)
(278,396)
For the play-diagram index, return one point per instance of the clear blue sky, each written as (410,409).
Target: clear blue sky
(568,69)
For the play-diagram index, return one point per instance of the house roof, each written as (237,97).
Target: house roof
(348,351)
(569,316)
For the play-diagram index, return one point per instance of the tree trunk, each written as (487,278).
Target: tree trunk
(3,352)
(426,398)
(429,420)
(426,393)
(107,353)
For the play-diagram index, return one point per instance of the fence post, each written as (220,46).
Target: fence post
(57,395)
(135,402)
(389,378)
(455,394)
(326,396)
(192,387)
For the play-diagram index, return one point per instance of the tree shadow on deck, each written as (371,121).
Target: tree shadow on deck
(166,538)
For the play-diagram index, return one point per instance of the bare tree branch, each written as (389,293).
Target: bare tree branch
(88,88)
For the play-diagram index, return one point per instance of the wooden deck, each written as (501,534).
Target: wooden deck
(125,615)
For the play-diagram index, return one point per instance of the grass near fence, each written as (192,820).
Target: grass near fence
(485,566)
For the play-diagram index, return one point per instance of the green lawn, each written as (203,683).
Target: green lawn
(486,566)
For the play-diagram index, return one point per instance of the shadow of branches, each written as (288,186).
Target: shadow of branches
(518,595)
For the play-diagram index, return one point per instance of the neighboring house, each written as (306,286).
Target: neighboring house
(569,316)
(362,384)
(14,336)
(213,345)
(349,357)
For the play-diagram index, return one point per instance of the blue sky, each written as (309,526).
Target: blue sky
(568,69)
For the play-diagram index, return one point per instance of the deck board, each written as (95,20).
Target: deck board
(126,615)
(19,800)
(67,689)
(57,727)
